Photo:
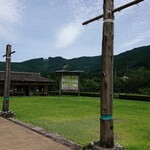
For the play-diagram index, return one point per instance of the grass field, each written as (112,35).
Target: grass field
(77,118)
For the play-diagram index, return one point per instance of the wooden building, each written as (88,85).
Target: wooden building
(25,84)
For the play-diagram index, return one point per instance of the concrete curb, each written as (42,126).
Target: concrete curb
(53,136)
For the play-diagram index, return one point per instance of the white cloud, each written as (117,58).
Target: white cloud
(138,38)
(132,26)
(67,35)
(9,11)
(10,18)
(118,3)
(85,9)
(80,10)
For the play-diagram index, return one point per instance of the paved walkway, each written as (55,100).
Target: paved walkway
(16,137)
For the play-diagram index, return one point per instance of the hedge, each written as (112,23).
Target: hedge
(116,95)
(90,94)
(134,97)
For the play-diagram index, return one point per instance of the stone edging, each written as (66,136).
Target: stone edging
(53,136)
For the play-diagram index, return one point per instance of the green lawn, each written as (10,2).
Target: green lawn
(77,118)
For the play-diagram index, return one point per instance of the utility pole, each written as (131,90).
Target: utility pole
(106,110)
(5,110)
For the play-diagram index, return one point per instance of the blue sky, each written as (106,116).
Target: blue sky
(49,28)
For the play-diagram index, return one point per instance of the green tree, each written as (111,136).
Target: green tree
(138,81)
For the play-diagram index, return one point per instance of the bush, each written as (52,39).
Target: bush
(90,94)
(134,97)
(145,91)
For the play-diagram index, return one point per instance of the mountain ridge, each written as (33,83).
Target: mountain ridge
(129,60)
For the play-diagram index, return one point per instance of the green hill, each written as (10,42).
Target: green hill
(129,60)
(133,60)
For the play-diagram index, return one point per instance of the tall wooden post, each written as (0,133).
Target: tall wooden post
(7,79)
(5,110)
(106,121)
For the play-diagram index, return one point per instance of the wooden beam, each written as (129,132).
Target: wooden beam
(115,10)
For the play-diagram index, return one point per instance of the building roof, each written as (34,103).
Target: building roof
(66,72)
(25,77)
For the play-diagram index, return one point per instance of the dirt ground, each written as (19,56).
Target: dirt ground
(16,137)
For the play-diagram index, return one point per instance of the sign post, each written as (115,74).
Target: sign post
(69,81)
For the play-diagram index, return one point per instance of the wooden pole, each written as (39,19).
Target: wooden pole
(5,110)
(7,79)
(106,121)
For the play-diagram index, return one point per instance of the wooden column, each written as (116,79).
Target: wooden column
(7,79)
(106,121)
(60,85)
(78,84)
(46,90)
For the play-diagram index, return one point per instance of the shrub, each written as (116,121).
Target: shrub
(134,97)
